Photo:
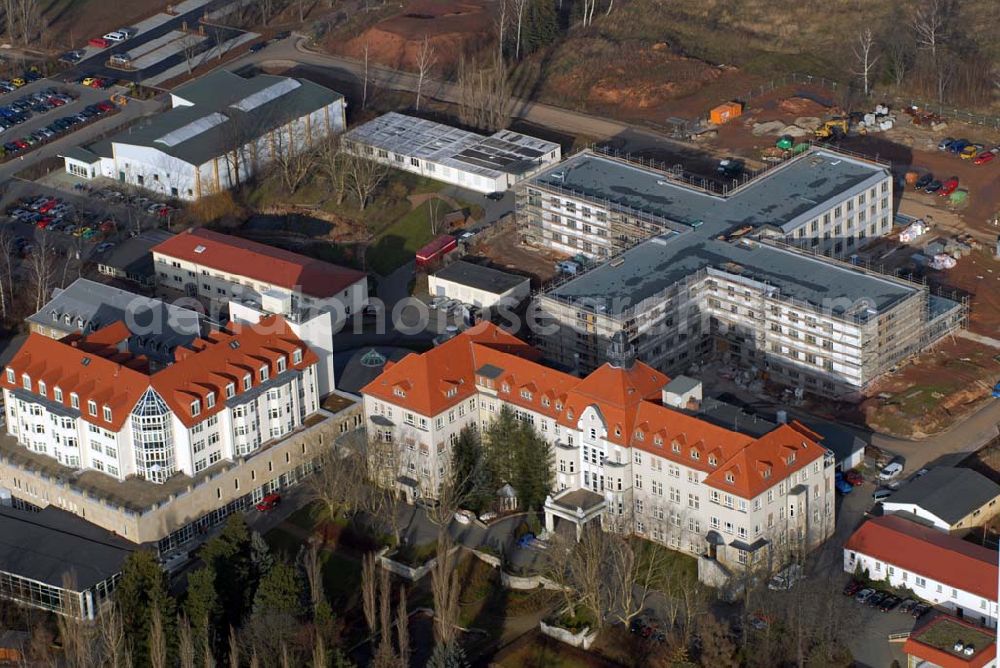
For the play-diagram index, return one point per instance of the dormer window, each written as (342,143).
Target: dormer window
(766,473)
(676,447)
(558,405)
(399,392)
(281,364)
(210,400)
(26,381)
(452,392)
(297,356)
(230,390)
(712,461)
(247,382)
(57,394)
(195,407)
(730,478)
(569,414)
(92,407)
(695,454)
(107,414)
(658,441)
(263,373)
(639,435)
(790,459)
(525,394)
(505,387)
(41,387)
(545,402)
(74,400)
(10,375)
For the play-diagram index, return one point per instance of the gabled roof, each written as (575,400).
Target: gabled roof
(260,262)
(928,552)
(947,493)
(628,400)
(93,369)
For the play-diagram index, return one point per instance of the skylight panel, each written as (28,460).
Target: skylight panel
(192,129)
(261,97)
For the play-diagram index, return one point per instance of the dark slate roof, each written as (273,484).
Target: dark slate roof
(842,442)
(47,545)
(214,93)
(948,493)
(134,255)
(480,277)
(489,371)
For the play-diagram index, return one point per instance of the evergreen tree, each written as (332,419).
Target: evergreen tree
(517,454)
(279,593)
(541,26)
(229,556)
(143,588)
(449,655)
(260,555)
(471,472)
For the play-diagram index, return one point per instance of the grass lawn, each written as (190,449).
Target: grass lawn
(542,652)
(341,577)
(400,241)
(308,516)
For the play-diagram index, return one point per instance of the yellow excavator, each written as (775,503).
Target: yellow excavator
(834,128)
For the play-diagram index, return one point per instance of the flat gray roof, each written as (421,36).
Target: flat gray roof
(651,267)
(222,108)
(480,277)
(49,545)
(505,152)
(783,197)
(158,327)
(134,255)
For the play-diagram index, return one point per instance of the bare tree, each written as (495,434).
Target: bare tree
(425,61)
(185,643)
(293,158)
(313,568)
(445,589)
(6,268)
(930,23)
(364,83)
(363,177)
(385,655)
(319,653)
(864,54)
(77,636)
(369,591)
(403,629)
(519,7)
(501,21)
(24,20)
(157,640)
(42,267)
(189,47)
(484,92)
(111,632)
(330,161)
(899,53)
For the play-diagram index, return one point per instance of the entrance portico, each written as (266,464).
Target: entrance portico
(578,506)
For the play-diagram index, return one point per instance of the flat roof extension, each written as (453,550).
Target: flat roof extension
(479,277)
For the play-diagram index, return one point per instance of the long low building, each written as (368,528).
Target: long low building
(222,128)
(478,285)
(719,276)
(57,562)
(951,573)
(444,153)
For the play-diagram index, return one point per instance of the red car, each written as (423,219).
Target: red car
(48,206)
(43,223)
(97,83)
(21,144)
(107,226)
(105,106)
(950,186)
(854,478)
(269,502)
(984,158)
(99,42)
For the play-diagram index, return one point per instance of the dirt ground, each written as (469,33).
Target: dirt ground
(507,253)
(933,391)
(977,275)
(451,28)
(73,22)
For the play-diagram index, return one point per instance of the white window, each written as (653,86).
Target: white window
(263,373)
(297,356)
(107,414)
(92,407)
(74,400)
(281,364)
(26,381)
(230,391)
(195,407)
(10,375)
(57,394)
(247,382)
(41,387)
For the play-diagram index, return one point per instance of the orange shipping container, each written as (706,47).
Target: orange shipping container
(725,112)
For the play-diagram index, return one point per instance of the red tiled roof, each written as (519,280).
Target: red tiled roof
(944,658)
(92,367)
(260,262)
(627,399)
(929,553)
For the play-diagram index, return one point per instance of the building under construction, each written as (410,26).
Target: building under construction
(732,284)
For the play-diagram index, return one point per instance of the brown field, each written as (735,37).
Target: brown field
(72,22)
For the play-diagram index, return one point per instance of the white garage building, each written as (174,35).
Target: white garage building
(444,153)
(220,130)
(478,285)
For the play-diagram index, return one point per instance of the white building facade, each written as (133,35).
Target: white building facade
(88,404)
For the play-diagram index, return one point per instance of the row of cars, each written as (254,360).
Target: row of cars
(26,106)
(10,85)
(885,601)
(932,186)
(90,81)
(967,150)
(58,127)
(140,203)
(113,37)
(55,215)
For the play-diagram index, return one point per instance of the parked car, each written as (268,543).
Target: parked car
(99,42)
(881,494)
(985,157)
(269,502)
(120,59)
(971,151)
(843,487)
(259,46)
(876,599)
(786,578)
(890,470)
(906,606)
(948,187)
(889,603)
(116,36)
(923,181)
(852,588)
(919,610)
(863,595)
(463,517)
(933,187)
(945,143)
(958,146)
(854,477)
